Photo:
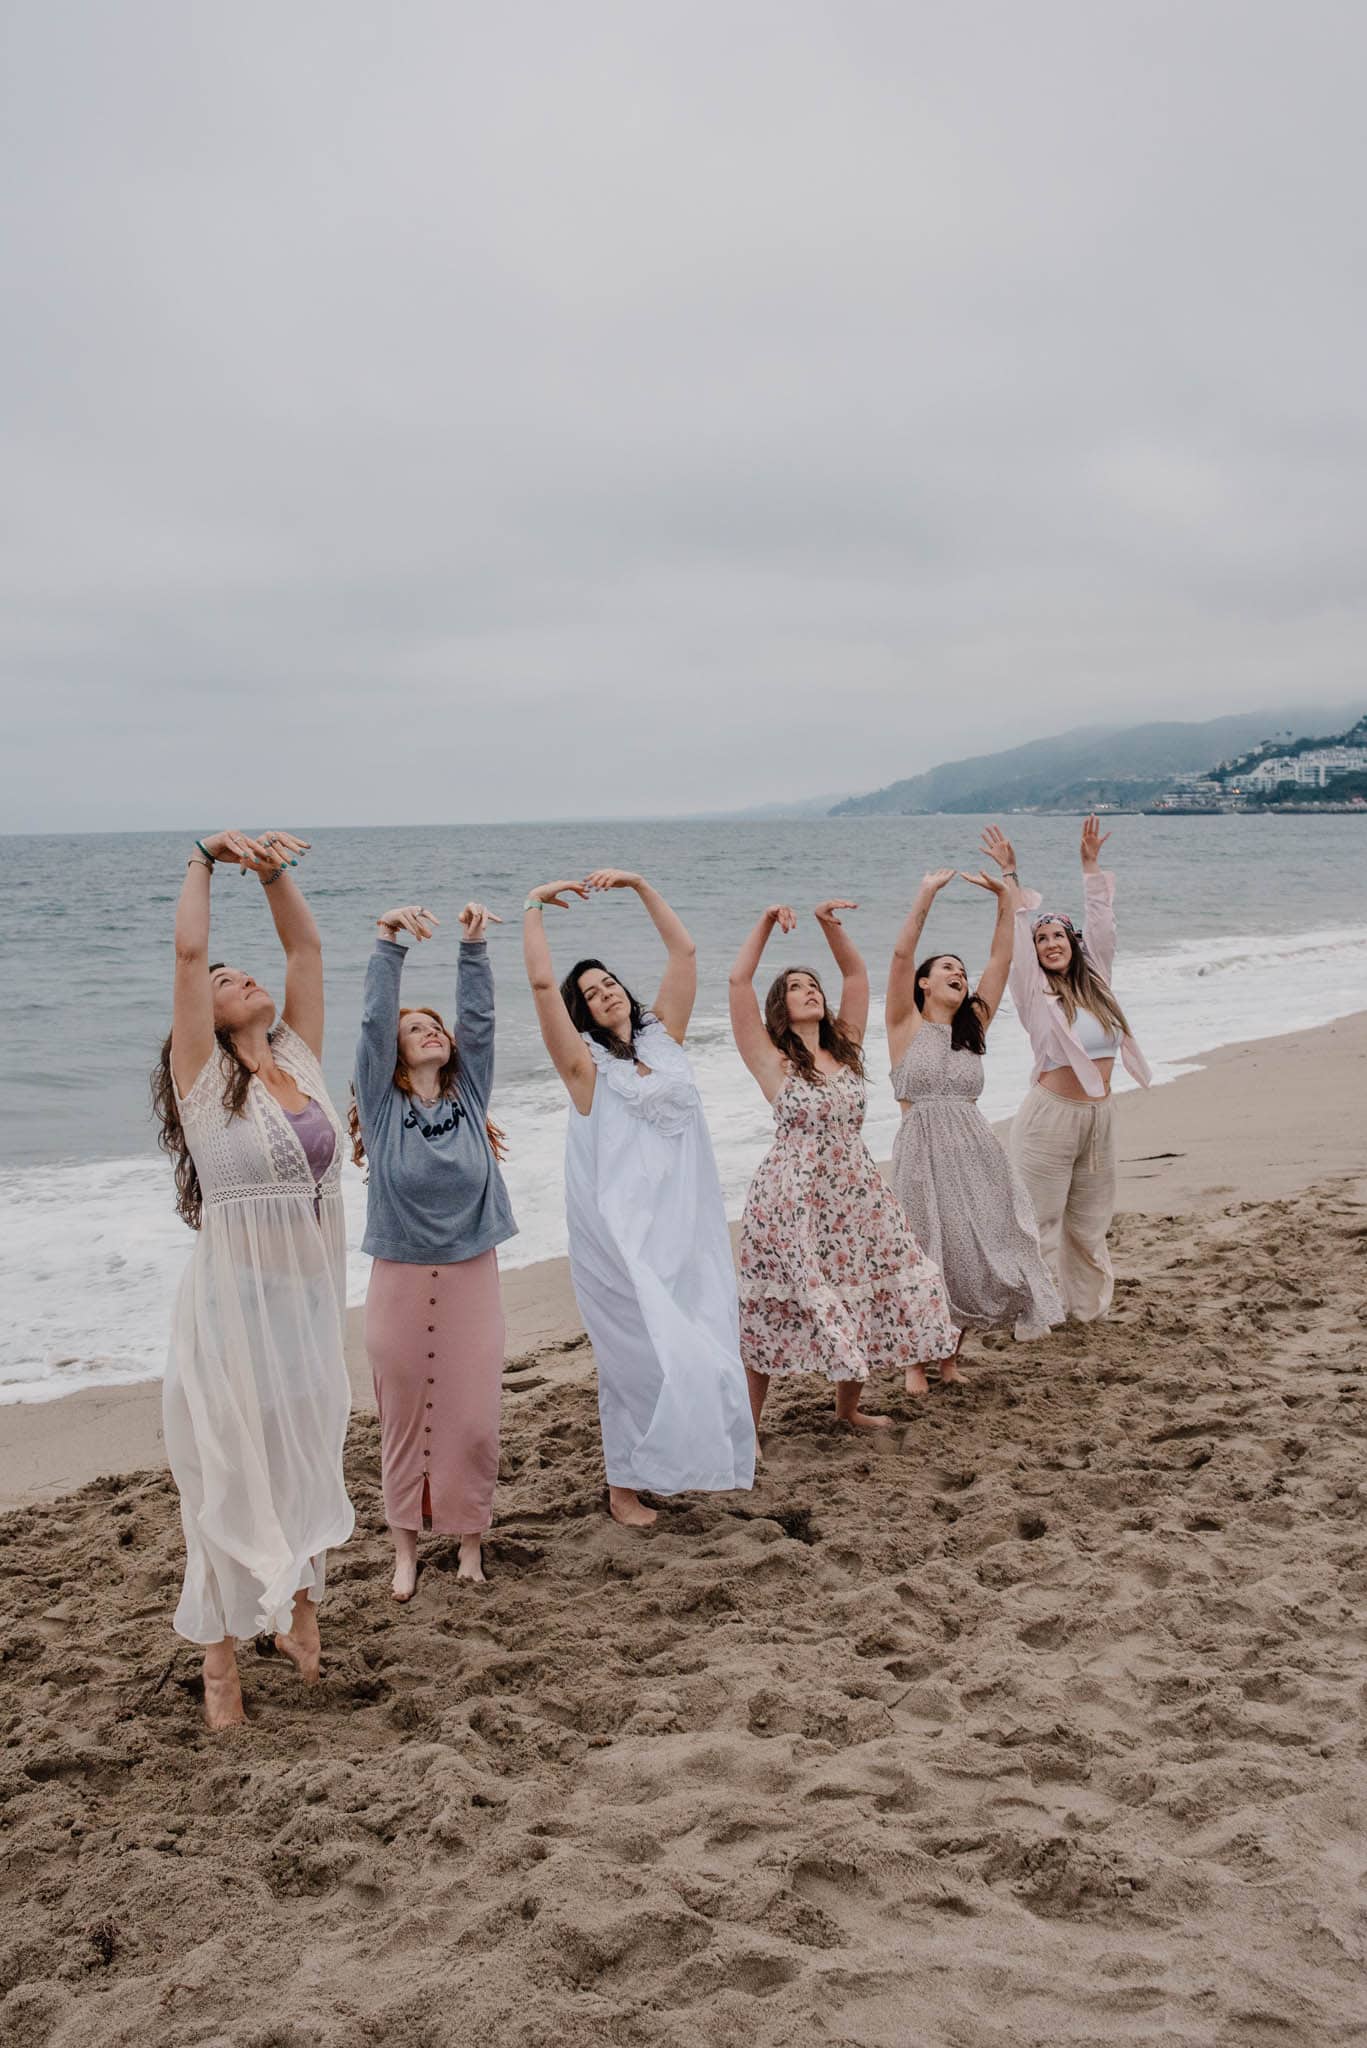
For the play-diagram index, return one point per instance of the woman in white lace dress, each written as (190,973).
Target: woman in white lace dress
(256,1395)
(650,1253)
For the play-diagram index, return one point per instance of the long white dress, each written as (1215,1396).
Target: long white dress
(650,1258)
(256,1396)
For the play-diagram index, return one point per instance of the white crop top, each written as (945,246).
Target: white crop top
(1097,1040)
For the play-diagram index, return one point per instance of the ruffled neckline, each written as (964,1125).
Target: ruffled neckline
(667,1096)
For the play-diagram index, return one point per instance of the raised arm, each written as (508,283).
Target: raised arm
(192,1013)
(900,1013)
(475,1004)
(298,935)
(1025,977)
(678,990)
(853,1013)
(1098,897)
(992,981)
(378,1044)
(567,1049)
(753,1042)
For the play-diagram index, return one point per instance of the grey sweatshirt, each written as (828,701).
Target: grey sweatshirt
(435,1193)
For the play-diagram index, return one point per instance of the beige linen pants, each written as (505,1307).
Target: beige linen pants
(1065,1154)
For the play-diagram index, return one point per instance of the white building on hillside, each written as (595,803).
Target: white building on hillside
(1311,770)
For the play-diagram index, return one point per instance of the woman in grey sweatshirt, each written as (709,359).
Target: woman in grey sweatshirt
(436,1210)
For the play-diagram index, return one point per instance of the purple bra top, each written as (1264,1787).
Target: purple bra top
(315,1134)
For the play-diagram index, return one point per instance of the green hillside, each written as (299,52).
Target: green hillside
(1089,765)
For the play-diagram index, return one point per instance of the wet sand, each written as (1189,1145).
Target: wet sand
(1036,1721)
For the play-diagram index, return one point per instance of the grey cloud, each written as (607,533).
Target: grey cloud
(668,406)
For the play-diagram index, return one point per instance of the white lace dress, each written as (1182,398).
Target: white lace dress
(650,1258)
(256,1396)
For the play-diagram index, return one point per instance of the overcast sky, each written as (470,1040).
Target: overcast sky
(453,411)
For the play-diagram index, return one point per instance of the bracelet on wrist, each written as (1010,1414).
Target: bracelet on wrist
(532,903)
(266,880)
(196,862)
(205,851)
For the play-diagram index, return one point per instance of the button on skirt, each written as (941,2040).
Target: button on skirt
(434,1336)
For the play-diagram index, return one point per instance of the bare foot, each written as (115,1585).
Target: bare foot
(859,1420)
(301,1643)
(223,1706)
(625,1507)
(405,1563)
(917,1383)
(471,1562)
(949,1370)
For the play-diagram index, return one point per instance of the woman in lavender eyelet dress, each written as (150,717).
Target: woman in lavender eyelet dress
(831,1279)
(964,1199)
(256,1396)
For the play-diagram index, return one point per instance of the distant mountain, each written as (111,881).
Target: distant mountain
(1087,765)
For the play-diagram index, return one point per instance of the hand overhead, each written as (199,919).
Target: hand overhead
(475,920)
(411,918)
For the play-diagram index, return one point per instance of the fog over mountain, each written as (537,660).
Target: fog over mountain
(439,412)
(1089,765)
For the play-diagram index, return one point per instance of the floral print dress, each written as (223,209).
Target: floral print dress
(831,1278)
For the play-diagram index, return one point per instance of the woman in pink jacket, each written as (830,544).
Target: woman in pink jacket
(1062,1139)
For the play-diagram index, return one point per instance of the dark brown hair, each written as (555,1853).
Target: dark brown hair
(446,1085)
(171,1135)
(968,1025)
(832,1035)
(582,1018)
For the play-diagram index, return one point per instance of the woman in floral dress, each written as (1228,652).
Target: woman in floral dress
(831,1278)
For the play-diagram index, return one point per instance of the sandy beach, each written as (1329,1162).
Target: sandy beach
(1037,1722)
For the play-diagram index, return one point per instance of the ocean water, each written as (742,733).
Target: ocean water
(1230,928)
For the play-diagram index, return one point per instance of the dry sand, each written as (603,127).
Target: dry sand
(1039,1722)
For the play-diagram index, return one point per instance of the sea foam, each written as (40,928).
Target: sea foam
(91,1253)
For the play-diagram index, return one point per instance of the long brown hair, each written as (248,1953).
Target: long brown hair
(446,1085)
(237,1078)
(1080,987)
(831,1035)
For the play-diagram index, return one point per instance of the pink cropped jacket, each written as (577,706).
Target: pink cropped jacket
(1052,1037)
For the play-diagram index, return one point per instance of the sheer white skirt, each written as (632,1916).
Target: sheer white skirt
(255,1408)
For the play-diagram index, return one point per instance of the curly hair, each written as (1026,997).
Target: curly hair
(237,1079)
(582,1017)
(968,1025)
(831,1035)
(446,1086)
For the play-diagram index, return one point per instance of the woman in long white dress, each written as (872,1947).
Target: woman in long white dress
(256,1395)
(650,1253)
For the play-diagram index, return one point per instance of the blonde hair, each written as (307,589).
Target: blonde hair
(1080,987)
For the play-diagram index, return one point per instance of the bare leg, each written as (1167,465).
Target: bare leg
(917,1383)
(222,1688)
(405,1563)
(847,1397)
(471,1564)
(301,1643)
(625,1506)
(758,1384)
